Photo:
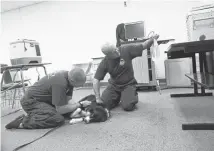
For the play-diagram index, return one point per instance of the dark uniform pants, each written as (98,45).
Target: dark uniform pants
(127,97)
(40,115)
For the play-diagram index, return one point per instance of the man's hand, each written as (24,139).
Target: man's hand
(148,43)
(85,103)
(96,87)
(99,101)
(155,36)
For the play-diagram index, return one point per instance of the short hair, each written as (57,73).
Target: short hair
(106,47)
(77,75)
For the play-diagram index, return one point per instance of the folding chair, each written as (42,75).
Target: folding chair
(9,88)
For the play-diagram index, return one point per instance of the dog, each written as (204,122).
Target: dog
(91,114)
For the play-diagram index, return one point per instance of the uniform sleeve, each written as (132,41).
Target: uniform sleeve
(101,70)
(134,50)
(70,92)
(59,95)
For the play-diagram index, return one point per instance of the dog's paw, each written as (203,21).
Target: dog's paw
(87,119)
(75,120)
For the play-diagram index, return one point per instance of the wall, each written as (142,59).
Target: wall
(95,63)
(71,32)
(87,69)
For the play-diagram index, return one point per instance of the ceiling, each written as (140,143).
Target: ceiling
(7,5)
(13,4)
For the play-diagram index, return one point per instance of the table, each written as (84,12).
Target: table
(204,78)
(163,41)
(189,49)
(21,68)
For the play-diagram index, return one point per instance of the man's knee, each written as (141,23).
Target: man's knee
(129,107)
(42,115)
(129,98)
(110,97)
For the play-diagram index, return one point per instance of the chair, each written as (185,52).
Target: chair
(10,86)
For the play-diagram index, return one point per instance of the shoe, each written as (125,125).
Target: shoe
(15,123)
(135,107)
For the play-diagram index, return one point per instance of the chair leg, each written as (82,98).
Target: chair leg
(20,96)
(29,82)
(9,97)
(14,98)
(5,98)
(2,99)
(158,86)
(5,95)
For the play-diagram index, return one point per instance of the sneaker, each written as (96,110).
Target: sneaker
(15,123)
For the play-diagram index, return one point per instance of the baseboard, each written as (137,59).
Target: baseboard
(91,84)
(162,83)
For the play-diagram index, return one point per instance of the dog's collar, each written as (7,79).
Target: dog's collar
(108,113)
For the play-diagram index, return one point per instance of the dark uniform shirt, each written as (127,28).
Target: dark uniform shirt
(52,89)
(120,69)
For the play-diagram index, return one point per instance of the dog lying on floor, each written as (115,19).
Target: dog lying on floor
(90,114)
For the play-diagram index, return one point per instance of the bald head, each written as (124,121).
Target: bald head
(110,50)
(76,77)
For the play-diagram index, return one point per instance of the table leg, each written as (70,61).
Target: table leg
(45,70)
(22,78)
(190,95)
(194,71)
(200,126)
(15,76)
(205,63)
(14,98)
(2,79)
(195,94)
(14,95)
(201,61)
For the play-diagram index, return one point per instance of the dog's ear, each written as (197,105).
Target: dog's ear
(102,105)
(83,99)
(91,107)
(90,97)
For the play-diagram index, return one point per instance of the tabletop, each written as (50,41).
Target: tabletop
(20,66)
(193,46)
(163,41)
